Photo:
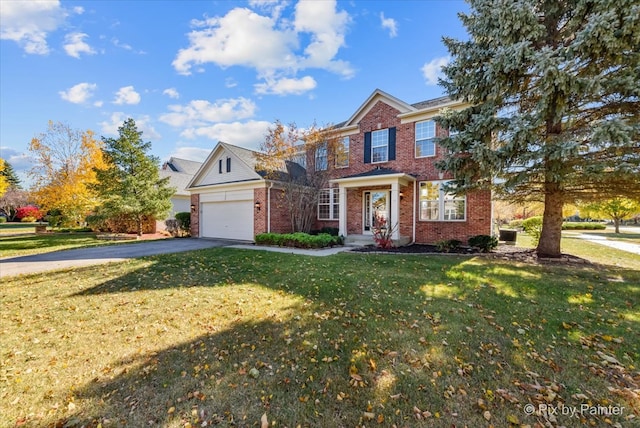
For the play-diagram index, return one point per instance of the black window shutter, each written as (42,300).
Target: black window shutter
(220,166)
(367,147)
(228,164)
(392,144)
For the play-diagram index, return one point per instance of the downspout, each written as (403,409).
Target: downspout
(269,207)
(413,208)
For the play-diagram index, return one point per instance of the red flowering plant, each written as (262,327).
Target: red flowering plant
(28,213)
(382,233)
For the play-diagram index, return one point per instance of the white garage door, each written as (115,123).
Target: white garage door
(227,220)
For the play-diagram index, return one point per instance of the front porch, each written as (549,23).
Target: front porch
(381,196)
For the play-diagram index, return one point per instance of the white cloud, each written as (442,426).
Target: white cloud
(80,93)
(143,123)
(241,37)
(21,162)
(202,112)
(171,93)
(286,86)
(389,24)
(328,28)
(267,43)
(28,23)
(78,10)
(433,69)
(249,134)
(127,95)
(75,45)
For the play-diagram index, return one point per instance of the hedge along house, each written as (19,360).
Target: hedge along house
(381,168)
(231,199)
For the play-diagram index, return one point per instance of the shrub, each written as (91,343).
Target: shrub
(298,240)
(516,224)
(28,219)
(533,227)
(448,245)
(54,218)
(483,243)
(583,226)
(3,219)
(333,231)
(173,226)
(96,222)
(28,211)
(184,221)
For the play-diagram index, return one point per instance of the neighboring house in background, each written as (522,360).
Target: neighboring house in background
(180,173)
(385,169)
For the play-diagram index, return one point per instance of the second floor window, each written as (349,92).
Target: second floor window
(425,135)
(321,157)
(380,146)
(342,153)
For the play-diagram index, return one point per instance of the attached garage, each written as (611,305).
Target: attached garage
(227,220)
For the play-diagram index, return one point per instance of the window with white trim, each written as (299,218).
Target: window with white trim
(328,204)
(425,139)
(342,153)
(321,157)
(437,205)
(380,145)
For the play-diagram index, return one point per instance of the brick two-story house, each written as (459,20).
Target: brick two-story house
(385,169)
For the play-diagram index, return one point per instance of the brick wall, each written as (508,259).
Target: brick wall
(260,217)
(280,216)
(195,215)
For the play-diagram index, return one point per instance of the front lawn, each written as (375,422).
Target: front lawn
(23,245)
(228,337)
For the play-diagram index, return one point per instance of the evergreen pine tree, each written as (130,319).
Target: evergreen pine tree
(131,186)
(553,93)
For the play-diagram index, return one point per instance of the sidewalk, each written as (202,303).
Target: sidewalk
(619,245)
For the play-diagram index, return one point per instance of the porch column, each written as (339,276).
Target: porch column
(342,208)
(395,210)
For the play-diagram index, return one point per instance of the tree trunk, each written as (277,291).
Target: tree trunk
(616,224)
(549,244)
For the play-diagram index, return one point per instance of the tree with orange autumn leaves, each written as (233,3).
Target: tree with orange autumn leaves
(65,160)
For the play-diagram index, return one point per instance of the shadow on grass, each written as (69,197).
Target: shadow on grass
(372,338)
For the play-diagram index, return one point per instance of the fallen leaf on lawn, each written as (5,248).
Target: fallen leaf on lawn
(369,415)
(513,420)
(486,415)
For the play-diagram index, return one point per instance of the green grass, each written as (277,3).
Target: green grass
(17,228)
(14,246)
(591,251)
(224,336)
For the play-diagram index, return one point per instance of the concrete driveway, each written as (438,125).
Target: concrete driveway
(65,259)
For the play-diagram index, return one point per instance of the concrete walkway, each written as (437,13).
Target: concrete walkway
(79,257)
(619,245)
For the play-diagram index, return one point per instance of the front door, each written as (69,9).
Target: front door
(376,209)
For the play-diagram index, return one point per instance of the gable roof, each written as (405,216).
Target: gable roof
(246,157)
(405,109)
(182,165)
(377,95)
(180,172)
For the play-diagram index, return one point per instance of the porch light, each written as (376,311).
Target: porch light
(193,207)
(258,206)
(401,195)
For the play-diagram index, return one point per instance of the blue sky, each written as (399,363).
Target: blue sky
(192,73)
